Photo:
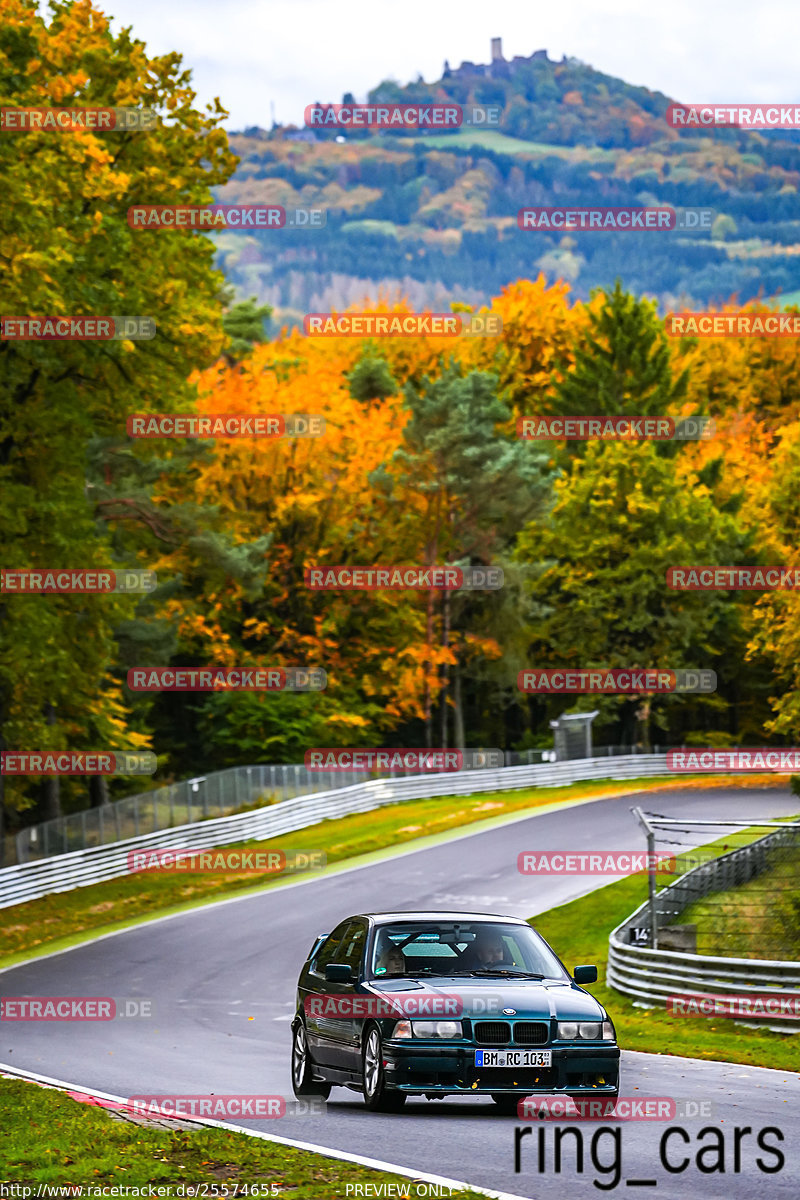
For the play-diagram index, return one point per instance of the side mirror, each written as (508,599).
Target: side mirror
(585,974)
(341,973)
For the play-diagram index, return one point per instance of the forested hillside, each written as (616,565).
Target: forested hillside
(433,216)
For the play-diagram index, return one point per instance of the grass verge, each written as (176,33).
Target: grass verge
(64,918)
(578,931)
(48,1138)
(757,919)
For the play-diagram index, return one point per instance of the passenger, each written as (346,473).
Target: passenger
(392,962)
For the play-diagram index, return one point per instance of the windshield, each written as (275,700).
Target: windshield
(461,948)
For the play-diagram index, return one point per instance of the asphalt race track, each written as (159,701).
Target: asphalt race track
(222,981)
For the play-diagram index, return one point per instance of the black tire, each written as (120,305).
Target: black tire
(377,1097)
(507,1102)
(302,1083)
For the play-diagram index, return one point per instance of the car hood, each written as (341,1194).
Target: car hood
(486,998)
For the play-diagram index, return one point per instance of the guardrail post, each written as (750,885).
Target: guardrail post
(651,874)
(651,887)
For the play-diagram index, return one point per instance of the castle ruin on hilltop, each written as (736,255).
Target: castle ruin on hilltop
(497,68)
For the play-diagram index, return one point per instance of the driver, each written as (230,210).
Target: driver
(487,949)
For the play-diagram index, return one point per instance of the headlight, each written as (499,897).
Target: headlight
(589,1029)
(449,1029)
(442,1029)
(428,1029)
(570,1031)
(608,1032)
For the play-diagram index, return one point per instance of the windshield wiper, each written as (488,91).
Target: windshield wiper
(504,971)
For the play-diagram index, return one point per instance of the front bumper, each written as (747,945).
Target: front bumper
(576,1071)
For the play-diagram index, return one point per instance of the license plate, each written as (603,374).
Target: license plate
(513,1058)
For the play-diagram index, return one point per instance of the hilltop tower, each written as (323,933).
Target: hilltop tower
(497,50)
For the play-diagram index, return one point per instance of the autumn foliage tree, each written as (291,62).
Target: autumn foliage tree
(68,250)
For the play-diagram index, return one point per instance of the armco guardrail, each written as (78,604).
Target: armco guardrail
(217,794)
(653,975)
(29,881)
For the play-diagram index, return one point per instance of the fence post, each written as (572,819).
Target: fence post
(651,874)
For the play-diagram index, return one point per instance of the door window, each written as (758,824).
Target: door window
(330,948)
(351,951)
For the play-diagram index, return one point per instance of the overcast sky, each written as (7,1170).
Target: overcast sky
(254,53)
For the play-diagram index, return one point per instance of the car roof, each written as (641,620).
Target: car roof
(386,918)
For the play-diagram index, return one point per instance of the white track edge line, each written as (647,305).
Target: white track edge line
(343,1155)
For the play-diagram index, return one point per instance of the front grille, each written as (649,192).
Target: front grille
(531,1033)
(492,1033)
